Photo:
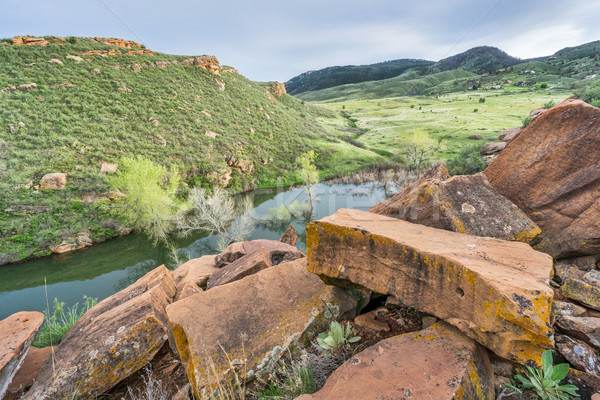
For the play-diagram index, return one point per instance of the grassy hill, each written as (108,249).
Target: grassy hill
(100,102)
(572,68)
(341,75)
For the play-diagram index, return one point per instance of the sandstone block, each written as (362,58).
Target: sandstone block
(582,292)
(252,321)
(239,249)
(494,291)
(53,181)
(436,363)
(114,339)
(16,334)
(191,277)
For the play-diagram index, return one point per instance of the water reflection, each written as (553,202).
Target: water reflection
(109,267)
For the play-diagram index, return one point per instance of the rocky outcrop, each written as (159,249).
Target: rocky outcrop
(55,61)
(127,44)
(226,327)
(464,204)
(493,148)
(245,166)
(253,262)
(114,339)
(191,277)
(277,89)
(16,334)
(29,41)
(81,241)
(509,134)
(53,181)
(26,87)
(77,59)
(209,63)
(551,170)
(465,280)
(437,363)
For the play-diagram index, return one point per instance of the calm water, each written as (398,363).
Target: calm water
(106,268)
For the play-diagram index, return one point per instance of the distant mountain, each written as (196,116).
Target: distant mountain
(590,49)
(480,60)
(341,75)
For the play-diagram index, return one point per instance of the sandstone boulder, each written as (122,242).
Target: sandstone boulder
(191,277)
(16,334)
(77,59)
(53,181)
(114,339)
(251,322)
(55,61)
(465,204)
(494,291)
(251,263)
(509,134)
(436,363)
(560,308)
(281,251)
(277,88)
(493,148)
(551,170)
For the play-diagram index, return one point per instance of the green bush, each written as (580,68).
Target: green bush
(467,162)
(297,380)
(526,121)
(57,323)
(336,337)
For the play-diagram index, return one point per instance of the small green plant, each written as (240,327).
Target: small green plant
(60,321)
(526,121)
(549,104)
(336,337)
(297,380)
(545,382)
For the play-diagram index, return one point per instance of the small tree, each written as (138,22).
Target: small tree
(419,146)
(216,213)
(150,195)
(308,172)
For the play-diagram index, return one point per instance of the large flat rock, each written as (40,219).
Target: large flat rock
(16,334)
(494,291)
(552,172)
(192,276)
(252,321)
(436,363)
(464,203)
(114,339)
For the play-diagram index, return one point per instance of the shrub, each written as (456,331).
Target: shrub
(150,191)
(60,321)
(549,104)
(467,162)
(526,121)
(482,99)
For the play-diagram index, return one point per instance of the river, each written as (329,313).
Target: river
(108,267)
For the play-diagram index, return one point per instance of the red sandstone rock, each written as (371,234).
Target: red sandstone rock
(551,170)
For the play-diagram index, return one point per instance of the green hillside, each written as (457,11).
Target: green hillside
(112,104)
(341,75)
(478,59)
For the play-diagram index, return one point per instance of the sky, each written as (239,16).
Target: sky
(278,39)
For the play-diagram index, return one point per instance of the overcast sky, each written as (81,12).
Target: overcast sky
(278,39)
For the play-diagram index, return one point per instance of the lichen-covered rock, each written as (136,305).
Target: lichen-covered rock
(550,171)
(239,249)
(16,334)
(586,329)
(494,291)
(579,354)
(114,339)
(560,308)
(582,292)
(191,277)
(436,363)
(465,204)
(250,322)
